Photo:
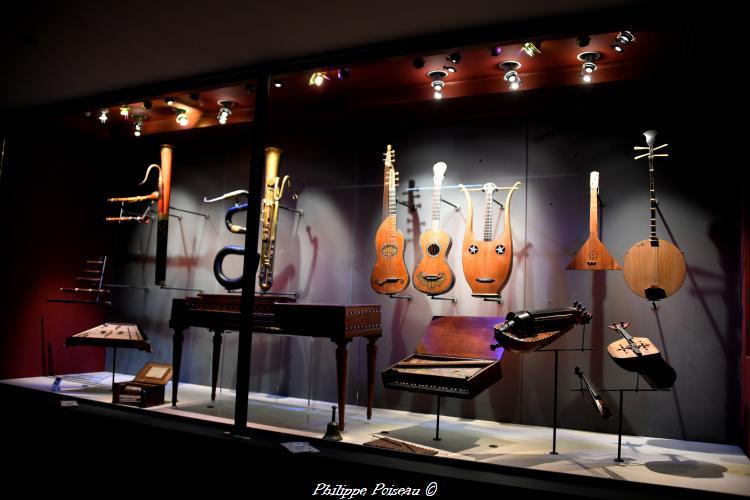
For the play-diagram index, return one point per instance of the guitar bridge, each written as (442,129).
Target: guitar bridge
(485,280)
(431,277)
(389,280)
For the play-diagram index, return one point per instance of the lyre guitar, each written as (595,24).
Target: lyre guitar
(593,255)
(639,354)
(487,263)
(389,274)
(433,275)
(654,268)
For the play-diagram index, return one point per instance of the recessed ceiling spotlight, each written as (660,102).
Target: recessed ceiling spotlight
(138,125)
(418,63)
(343,73)
(250,88)
(147,104)
(437,76)
(103,115)
(182,117)
(510,73)
(495,51)
(317,78)
(589,66)
(125,111)
(583,41)
(454,57)
(195,96)
(531,49)
(278,83)
(169,101)
(450,69)
(225,111)
(622,39)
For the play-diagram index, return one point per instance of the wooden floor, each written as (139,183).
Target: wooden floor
(669,462)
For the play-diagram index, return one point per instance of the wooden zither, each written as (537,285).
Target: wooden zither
(453,359)
(593,255)
(654,268)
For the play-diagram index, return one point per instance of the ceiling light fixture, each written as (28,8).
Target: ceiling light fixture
(622,39)
(583,41)
(182,117)
(531,49)
(437,76)
(225,111)
(450,69)
(125,111)
(317,79)
(103,115)
(147,104)
(454,57)
(495,51)
(169,101)
(138,126)
(343,73)
(510,70)
(278,83)
(589,66)
(418,63)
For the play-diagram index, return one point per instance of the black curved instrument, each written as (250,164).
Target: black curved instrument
(597,400)
(223,279)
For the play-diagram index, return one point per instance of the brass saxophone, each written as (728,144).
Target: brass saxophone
(270,216)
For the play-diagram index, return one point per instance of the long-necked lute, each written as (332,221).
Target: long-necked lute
(525,331)
(593,255)
(389,274)
(161,196)
(654,268)
(640,355)
(433,275)
(487,263)
(597,400)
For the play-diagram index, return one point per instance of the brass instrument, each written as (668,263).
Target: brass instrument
(270,216)
(274,190)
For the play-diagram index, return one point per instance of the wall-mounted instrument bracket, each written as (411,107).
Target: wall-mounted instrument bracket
(135,287)
(200,214)
(293,295)
(402,297)
(498,299)
(165,287)
(452,299)
(455,207)
(410,206)
(298,212)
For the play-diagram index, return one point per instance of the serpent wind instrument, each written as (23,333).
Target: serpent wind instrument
(654,268)
(161,197)
(226,282)
(487,263)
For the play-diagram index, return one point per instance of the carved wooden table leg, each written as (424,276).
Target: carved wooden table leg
(177,339)
(372,352)
(216,357)
(342,363)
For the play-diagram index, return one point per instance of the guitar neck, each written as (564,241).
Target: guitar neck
(594,213)
(488,216)
(436,208)
(653,238)
(624,333)
(392,198)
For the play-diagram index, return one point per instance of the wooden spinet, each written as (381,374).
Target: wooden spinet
(280,316)
(453,358)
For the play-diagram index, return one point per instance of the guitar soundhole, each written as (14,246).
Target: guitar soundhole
(433,249)
(389,250)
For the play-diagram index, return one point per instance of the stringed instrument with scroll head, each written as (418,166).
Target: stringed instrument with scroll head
(654,268)
(593,255)
(433,275)
(487,263)
(640,355)
(389,274)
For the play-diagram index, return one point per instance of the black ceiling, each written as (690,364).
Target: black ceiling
(52,50)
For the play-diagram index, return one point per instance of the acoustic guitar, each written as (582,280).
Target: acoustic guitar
(593,255)
(640,355)
(654,268)
(487,263)
(433,275)
(389,274)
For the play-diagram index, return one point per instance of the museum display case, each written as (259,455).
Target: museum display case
(222,230)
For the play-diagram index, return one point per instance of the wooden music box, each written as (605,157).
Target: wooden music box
(146,389)
(453,359)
